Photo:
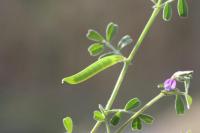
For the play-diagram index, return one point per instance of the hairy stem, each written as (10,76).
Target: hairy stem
(129,60)
(145,107)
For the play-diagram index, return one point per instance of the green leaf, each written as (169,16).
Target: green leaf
(110,31)
(96,49)
(98,116)
(116,118)
(68,124)
(126,40)
(188,99)
(179,105)
(136,124)
(131,104)
(94,36)
(146,118)
(93,69)
(167,12)
(187,86)
(182,8)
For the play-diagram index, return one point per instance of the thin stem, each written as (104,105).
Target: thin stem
(145,107)
(110,46)
(107,127)
(129,60)
(117,86)
(119,110)
(113,95)
(145,31)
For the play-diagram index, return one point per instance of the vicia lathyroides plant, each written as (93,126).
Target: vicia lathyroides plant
(110,54)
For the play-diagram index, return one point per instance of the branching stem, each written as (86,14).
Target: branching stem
(129,60)
(145,107)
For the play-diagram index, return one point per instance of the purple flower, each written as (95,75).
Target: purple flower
(170,84)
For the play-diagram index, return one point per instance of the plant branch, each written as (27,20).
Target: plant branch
(145,107)
(113,95)
(107,44)
(129,60)
(145,31)
(107,127)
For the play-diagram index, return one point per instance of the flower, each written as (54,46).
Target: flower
(170,84)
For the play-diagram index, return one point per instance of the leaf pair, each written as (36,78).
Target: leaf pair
(98,47)
(131,104)
(137,122)
(179,103)
(185,77)
(111,31)
(182,8)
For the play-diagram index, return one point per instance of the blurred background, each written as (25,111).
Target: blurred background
(42,41)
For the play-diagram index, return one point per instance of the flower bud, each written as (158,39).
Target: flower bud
(182,76)
(170,84)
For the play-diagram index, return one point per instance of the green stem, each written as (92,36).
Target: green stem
(129,60)
(114,94)
(111,47)
(107,127)
(145,31)
(117,86)
(145,107)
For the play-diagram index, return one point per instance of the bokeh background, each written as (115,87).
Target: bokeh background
(42,41)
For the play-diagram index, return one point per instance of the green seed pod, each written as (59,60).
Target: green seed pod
(182,8)
(93,69)
(167,12)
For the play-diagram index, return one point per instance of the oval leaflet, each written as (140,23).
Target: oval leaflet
(93,69)
(68,124)
(96,49)
(179,105)
(110,31)
(182,8)
(167,12)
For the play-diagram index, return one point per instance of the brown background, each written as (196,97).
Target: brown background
(42,41)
